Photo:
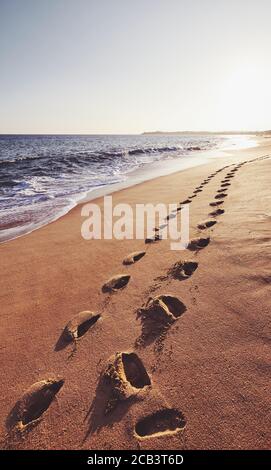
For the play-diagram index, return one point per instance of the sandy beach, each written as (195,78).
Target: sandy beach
(198,380)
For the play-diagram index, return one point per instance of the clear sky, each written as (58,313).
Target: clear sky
(124,66)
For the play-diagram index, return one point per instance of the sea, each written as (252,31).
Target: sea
(42,177)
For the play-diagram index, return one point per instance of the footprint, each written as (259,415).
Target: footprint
(217,203)
(170,216)
(157,315)
(225,185)
(164,422)
(220,190)
(80,324)
(127,377)
(182,269)
(221,196)
(33,404)
(187,201)
(198,243)
(217,212)
(134,257)
(157,237)
(197,191)
(206,224)
(116,282)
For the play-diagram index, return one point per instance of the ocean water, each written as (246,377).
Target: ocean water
(44,176)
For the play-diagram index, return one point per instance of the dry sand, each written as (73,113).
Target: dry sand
(203,375)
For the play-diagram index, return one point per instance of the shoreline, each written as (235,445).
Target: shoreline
(210,364)
(144,173)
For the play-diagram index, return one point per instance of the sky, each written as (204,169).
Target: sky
(123,66)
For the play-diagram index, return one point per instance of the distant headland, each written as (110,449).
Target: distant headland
(207,133)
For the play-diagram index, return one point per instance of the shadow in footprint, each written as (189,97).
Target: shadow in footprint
(124,381)
(157,237)
(221,196)
(28,411)
(198,244)
(217,203)
(156,317)
(187,201)
(206,224)
(96,417)
(182,270)
(160,423)
(132,258)
(217,212)
(77,327)
(116,283)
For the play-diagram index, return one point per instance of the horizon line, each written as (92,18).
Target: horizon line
(141,133)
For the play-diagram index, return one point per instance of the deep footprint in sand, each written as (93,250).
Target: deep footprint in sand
(197,191)
(206,224)
(182,270)
(33,404)
(157,237)
(163,422)
(217,212)
(127,377)
(80,324)
(217,203)
(134,257)
(157,315)
(187,201)
(198,243)
(116,283)
(221,196)
(225,185)
(170,216)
